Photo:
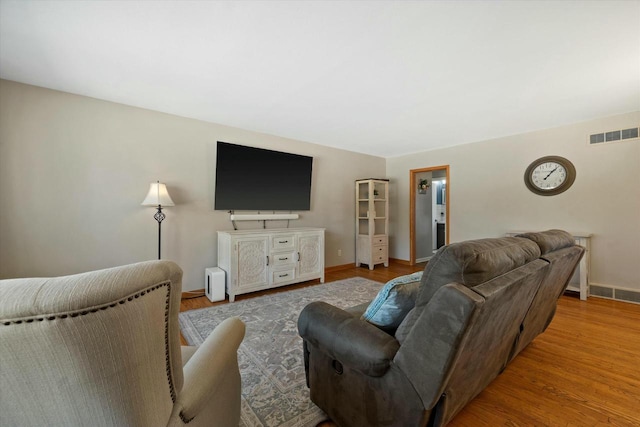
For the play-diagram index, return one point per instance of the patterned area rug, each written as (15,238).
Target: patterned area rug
(274,391)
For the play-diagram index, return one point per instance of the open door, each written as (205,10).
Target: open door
(429,211)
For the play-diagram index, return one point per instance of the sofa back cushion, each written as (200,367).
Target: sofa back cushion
(469,263)
(474,262)
(550,240)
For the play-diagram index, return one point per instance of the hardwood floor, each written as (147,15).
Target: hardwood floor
(584,370)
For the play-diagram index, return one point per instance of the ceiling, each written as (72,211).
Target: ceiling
(377,77)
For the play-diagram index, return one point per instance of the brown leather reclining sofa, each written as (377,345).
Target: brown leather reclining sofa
(479,304)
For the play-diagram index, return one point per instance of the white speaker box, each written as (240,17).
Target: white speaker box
(214,284)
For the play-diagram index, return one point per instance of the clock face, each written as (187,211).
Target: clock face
(550,175)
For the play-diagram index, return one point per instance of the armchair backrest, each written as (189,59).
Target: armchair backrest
(99,348)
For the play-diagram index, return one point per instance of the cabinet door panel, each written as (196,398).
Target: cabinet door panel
(311,258)
(252,262)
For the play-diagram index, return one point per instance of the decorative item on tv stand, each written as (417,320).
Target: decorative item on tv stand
(372,222)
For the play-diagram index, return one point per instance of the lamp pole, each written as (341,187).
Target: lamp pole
(159,216)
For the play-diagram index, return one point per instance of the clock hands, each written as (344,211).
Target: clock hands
(549,174)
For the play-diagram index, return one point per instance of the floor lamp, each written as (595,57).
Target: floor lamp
(158,196)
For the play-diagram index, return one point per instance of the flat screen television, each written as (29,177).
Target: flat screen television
(254,179)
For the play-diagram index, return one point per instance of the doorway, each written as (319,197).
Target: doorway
(429,211)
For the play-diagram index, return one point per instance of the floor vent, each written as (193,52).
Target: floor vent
(614,293)
(614,136)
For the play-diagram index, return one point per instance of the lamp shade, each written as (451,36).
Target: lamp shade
(158,196)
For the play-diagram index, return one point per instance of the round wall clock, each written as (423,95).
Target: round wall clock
(550,175)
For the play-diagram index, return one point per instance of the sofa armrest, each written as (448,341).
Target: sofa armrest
(205,371)
(353,342)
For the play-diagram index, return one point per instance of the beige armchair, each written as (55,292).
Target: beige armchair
(103,349)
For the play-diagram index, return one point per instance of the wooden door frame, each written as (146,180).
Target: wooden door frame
(413,185)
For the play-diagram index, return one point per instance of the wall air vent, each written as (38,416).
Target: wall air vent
(614,136)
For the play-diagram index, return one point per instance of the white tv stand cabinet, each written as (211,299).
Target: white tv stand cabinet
(254,260)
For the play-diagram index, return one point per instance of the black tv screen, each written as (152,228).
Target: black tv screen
(249,178)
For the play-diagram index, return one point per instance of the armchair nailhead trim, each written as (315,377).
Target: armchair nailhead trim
(84,312)
(185,419)
(172,389)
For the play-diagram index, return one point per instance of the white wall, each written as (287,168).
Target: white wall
(74,170)
(489,197)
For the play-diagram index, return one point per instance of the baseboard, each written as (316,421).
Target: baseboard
(193,294)
(611,292)
(341,267)
(352,265)
(400,261)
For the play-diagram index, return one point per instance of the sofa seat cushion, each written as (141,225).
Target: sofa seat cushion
(396,298)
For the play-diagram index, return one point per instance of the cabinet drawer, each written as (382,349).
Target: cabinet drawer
(284,258)
(379,252)
(284,241)
(282,276)
(379,240)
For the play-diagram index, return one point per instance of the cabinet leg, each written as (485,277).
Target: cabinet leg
(232,298)
(371,267)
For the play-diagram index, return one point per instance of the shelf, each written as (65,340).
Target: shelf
(372,222)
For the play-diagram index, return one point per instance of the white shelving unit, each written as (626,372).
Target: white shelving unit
(372,222)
